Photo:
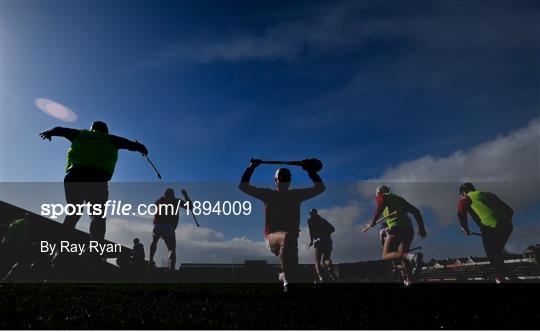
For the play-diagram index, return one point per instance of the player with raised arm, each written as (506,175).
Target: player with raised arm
(282,214)
(165,223)
(91,160)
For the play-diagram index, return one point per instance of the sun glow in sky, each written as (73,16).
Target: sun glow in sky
(56,110)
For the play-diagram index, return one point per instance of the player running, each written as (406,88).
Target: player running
(493,217)
(320,234)
(165,223)
(400,231)
(282,214)
(91,160)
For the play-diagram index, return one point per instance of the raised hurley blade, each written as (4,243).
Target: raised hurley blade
(186,197)
(311,164)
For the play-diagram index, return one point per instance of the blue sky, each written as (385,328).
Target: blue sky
(365,86)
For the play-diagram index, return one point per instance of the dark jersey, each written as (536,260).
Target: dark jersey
(319,227)
(282,208)
(138,252)
(168,212)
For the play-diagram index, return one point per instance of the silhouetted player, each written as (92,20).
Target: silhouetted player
(165,223)
(137,258)
(493,217)
(91,160)
(282,215)
(320,234)
(400,229)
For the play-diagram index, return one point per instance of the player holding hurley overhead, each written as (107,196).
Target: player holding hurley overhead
(282,212)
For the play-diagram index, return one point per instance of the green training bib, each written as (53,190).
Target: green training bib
(396,203)
(92,149)
(488,207)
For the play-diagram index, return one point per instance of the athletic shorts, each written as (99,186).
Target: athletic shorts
(84,185)
(324,243)
(165,232)
(399,235)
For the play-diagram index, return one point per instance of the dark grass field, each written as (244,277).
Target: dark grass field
(264,306)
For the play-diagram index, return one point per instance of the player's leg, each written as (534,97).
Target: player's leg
(390,252)
(504,237)
(494,241)
(318,256)
(495,258)
(489,241)
(328,263)
(170,242)
(98,193)
(74,192)
(405,245)
(383,235)
(290,257)
(153,246)
(275,244)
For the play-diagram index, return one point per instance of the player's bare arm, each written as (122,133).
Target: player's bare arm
(67,133)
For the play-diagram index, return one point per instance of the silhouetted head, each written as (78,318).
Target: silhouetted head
(313,212)
(466,188)
(100,126)
(169,193)
(136,241)
(283,178)
(382,190)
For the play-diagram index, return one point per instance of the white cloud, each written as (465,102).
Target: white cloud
(508,165)
(189,232)
(327,28)
(347,25)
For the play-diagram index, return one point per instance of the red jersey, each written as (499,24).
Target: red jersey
(282,208)
(168,211)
